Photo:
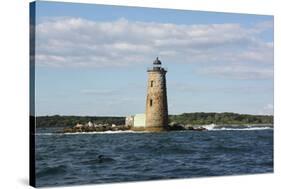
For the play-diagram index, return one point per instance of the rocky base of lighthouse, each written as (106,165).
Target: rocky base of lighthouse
(126,128)
(150,129)
(158,129)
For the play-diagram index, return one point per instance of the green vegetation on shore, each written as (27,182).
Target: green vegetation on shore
(70,121)
(201,118)
(198,118)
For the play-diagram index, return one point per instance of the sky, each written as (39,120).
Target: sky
(92,59)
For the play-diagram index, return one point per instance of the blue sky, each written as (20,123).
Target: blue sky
(92,59)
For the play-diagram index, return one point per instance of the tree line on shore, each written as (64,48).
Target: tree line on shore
(198,118)
(70,121)
(201,118)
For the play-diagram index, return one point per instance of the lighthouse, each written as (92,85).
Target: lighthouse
(156,99)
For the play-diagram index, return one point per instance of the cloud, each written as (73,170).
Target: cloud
(206,88)
(77,42)
(98,92)
(239,71)
(268,109)
(262,26)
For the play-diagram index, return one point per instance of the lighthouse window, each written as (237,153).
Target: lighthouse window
(151,83)
(150,102)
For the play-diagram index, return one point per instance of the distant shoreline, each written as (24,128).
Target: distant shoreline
(192,119)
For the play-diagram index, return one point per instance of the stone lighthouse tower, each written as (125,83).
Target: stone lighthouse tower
(156,100)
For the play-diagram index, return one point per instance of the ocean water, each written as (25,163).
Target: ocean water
(91,158)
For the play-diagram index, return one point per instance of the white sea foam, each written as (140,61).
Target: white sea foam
(106,132)
(243,129)
(90,133)
(209,127)
(48,134)
(214,127)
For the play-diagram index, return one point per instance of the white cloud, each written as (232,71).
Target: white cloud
(76,42)
(239,71)
(206,88)
(268,109)
(98,92)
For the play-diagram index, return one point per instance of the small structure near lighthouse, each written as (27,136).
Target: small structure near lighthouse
(156,118)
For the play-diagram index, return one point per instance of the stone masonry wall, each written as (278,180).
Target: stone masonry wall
(156,101)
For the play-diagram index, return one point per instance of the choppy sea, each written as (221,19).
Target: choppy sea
(107,157)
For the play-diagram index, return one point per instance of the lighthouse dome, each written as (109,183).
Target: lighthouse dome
(157,61)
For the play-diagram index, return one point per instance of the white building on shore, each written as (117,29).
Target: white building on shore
(137,120)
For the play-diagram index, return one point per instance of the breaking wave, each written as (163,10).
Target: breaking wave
(214,127)
(106,132)
(89,133)
(211,127)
